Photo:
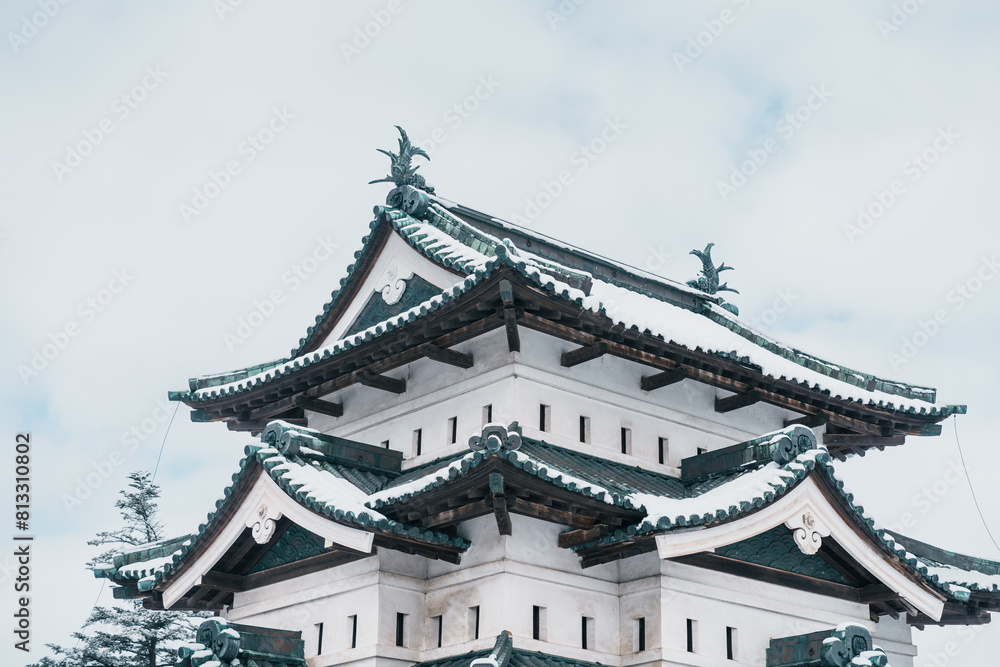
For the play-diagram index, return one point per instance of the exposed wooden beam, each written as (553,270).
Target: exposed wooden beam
(446,356)
(855,440)
(319,405)
(509,316)
(453,516)
(223,581)
(261,424)
(383,382)
(770,575)
(563,517)
(809,421)
(580,355)
(651,382)
(736,402)
(876,593)
(500,503)
(581,535)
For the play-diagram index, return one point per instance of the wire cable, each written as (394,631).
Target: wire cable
(164,443)
(954,422)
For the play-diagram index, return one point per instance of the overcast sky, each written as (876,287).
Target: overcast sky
(762,128)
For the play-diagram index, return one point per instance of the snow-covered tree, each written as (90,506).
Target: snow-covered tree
(128,635)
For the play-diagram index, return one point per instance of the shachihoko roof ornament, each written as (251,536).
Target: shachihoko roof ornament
(708,282)
(408,194)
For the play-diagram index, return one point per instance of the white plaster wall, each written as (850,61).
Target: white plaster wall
(606,390)
(506,576)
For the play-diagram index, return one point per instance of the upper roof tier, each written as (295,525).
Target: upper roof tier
(516,277)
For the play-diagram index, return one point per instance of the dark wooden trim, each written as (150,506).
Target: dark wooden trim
(223,581)
(876,593)
(456,515)
(537,511)
(738,401)
(574,537)
(447,356)
(854,440)
(770,575)
(509,312)
(809,421)
(301,568)
(580,355)
(383,382)
(319,405)
(666,378)
(260,424)
(499,497)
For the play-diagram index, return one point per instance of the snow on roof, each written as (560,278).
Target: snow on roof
(447,239)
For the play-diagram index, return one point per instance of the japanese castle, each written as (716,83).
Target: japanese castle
(493,448)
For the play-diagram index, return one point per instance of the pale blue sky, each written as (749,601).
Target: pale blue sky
(650,198)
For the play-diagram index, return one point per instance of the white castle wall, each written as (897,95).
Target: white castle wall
(606,390)
(507,576)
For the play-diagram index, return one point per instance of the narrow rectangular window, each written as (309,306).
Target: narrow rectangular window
(487,414)
(640,634)
(692,640)
(352,630)
(626,440)
(544,417)
(418,444)
(385,444)
(587,639)
(702,450)
(453,429)
(731,643)
(437,627)
(319,639)
(584,429)
(400,627)
(474,622)
(538,628)
(662,449)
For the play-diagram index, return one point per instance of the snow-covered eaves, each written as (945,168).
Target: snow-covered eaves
(457,245)
(310,479)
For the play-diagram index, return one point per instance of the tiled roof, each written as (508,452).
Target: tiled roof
(331,489)
(352,497)
(450,241)
(503,654)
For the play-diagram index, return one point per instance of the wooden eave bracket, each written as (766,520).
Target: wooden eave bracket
(509,309)
(582,354)
(666,378)
(446,356)
(500,503)
(737,401)
(319,405)
(383,382)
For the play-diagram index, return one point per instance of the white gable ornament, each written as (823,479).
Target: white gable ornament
(808,531)
(392,284)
